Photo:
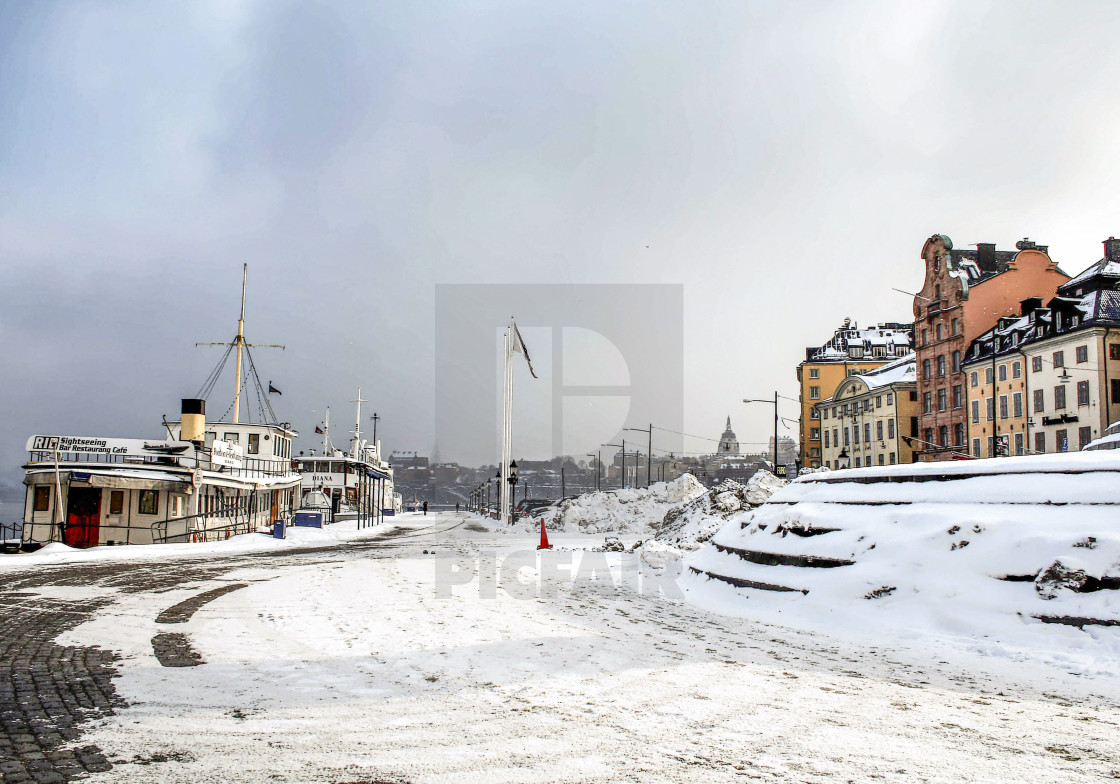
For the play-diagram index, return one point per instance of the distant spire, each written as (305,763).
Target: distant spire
(729,422)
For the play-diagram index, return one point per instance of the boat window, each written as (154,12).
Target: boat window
(210,436)
(254,443)
(42,499)
(149,502)
(116,502)
(233,438)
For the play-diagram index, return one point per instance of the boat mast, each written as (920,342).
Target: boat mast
(326,431)
(239,341)
(358,424)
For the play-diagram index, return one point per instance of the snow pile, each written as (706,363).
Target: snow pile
(1007,548)
(694,522)
(637,510)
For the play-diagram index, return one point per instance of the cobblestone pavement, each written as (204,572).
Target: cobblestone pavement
(48,691)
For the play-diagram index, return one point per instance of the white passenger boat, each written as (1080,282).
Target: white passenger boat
(352,485)
(202,482)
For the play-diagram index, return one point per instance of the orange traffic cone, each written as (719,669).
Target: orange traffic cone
(544,545)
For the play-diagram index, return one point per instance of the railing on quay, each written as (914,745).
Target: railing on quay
(239,519)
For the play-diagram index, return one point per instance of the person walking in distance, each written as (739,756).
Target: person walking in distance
(425,509)
(456,507)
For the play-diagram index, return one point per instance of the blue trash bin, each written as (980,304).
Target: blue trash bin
(278,529)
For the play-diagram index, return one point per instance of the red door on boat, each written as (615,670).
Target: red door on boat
(83,517)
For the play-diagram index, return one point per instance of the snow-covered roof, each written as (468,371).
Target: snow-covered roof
(900,371)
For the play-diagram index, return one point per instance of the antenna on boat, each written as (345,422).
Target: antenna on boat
(358,425)
(239,344)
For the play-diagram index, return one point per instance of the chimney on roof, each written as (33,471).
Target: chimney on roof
(1030,305)
(1112,249)
(986,256)
(1026,244)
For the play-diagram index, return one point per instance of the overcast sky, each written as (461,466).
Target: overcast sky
(783,162)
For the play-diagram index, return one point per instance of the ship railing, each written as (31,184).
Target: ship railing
(217,525)
(10,534)
(252,467)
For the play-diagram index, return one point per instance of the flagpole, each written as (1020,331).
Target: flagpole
(507,405)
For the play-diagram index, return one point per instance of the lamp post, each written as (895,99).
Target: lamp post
(773,402)
(375,419)
(649,449)
(512,488)
(598,468)
(622,479)
(843,456)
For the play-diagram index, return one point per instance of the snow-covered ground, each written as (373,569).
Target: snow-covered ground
(481,660)
(628,511)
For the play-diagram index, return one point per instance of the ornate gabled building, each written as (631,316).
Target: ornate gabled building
(851,350)
(964,293)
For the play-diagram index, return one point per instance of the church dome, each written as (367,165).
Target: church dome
(728,443)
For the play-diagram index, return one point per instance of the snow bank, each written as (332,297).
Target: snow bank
(637,510)
(1002,548)
(692,523)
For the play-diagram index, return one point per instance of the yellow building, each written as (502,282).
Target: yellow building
(871,418)
(852,350)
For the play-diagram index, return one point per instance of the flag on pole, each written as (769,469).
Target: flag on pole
(519,347)
(272,389)
(318,430)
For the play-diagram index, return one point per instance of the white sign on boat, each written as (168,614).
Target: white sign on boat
(90,445)
(224,453)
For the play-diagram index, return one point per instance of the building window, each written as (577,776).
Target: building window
(1003,372)
(928,437)
(1039,401)
(1114,350)
(890,398)
(1036,364)
(958,396)
(814,393)
(957,361)
(835,437)
(815,434)
(879,430)
(1040,442)
(925,337)
(814,373)
(925,368)
(975,379)
(1061,438)
(1082,354)
(858,463)
(1016,370)
(1084,436)
(867,433)
(937,331)
(892,459)
(1003,406)
(940,364)
(1018,443)
(953,327)
(1059,397)
(816,413)
(1114,385)
(943,435)
(991,446)
(927,402)
(942,399)
(975,412)
(878,401)
(991,408)
(890,429)
(958,434)
(254,443)
(847,436)
(1082,393)
(42,499)
(1017,404)
(826,443)
(116,502)
(976,447)
(149,502)
(988,377)
(881,456)
(1059,359)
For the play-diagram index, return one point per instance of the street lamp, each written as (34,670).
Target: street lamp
(649,454)
(622,479)
(512,488)
(843,457)
(598,468)
(774,402)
